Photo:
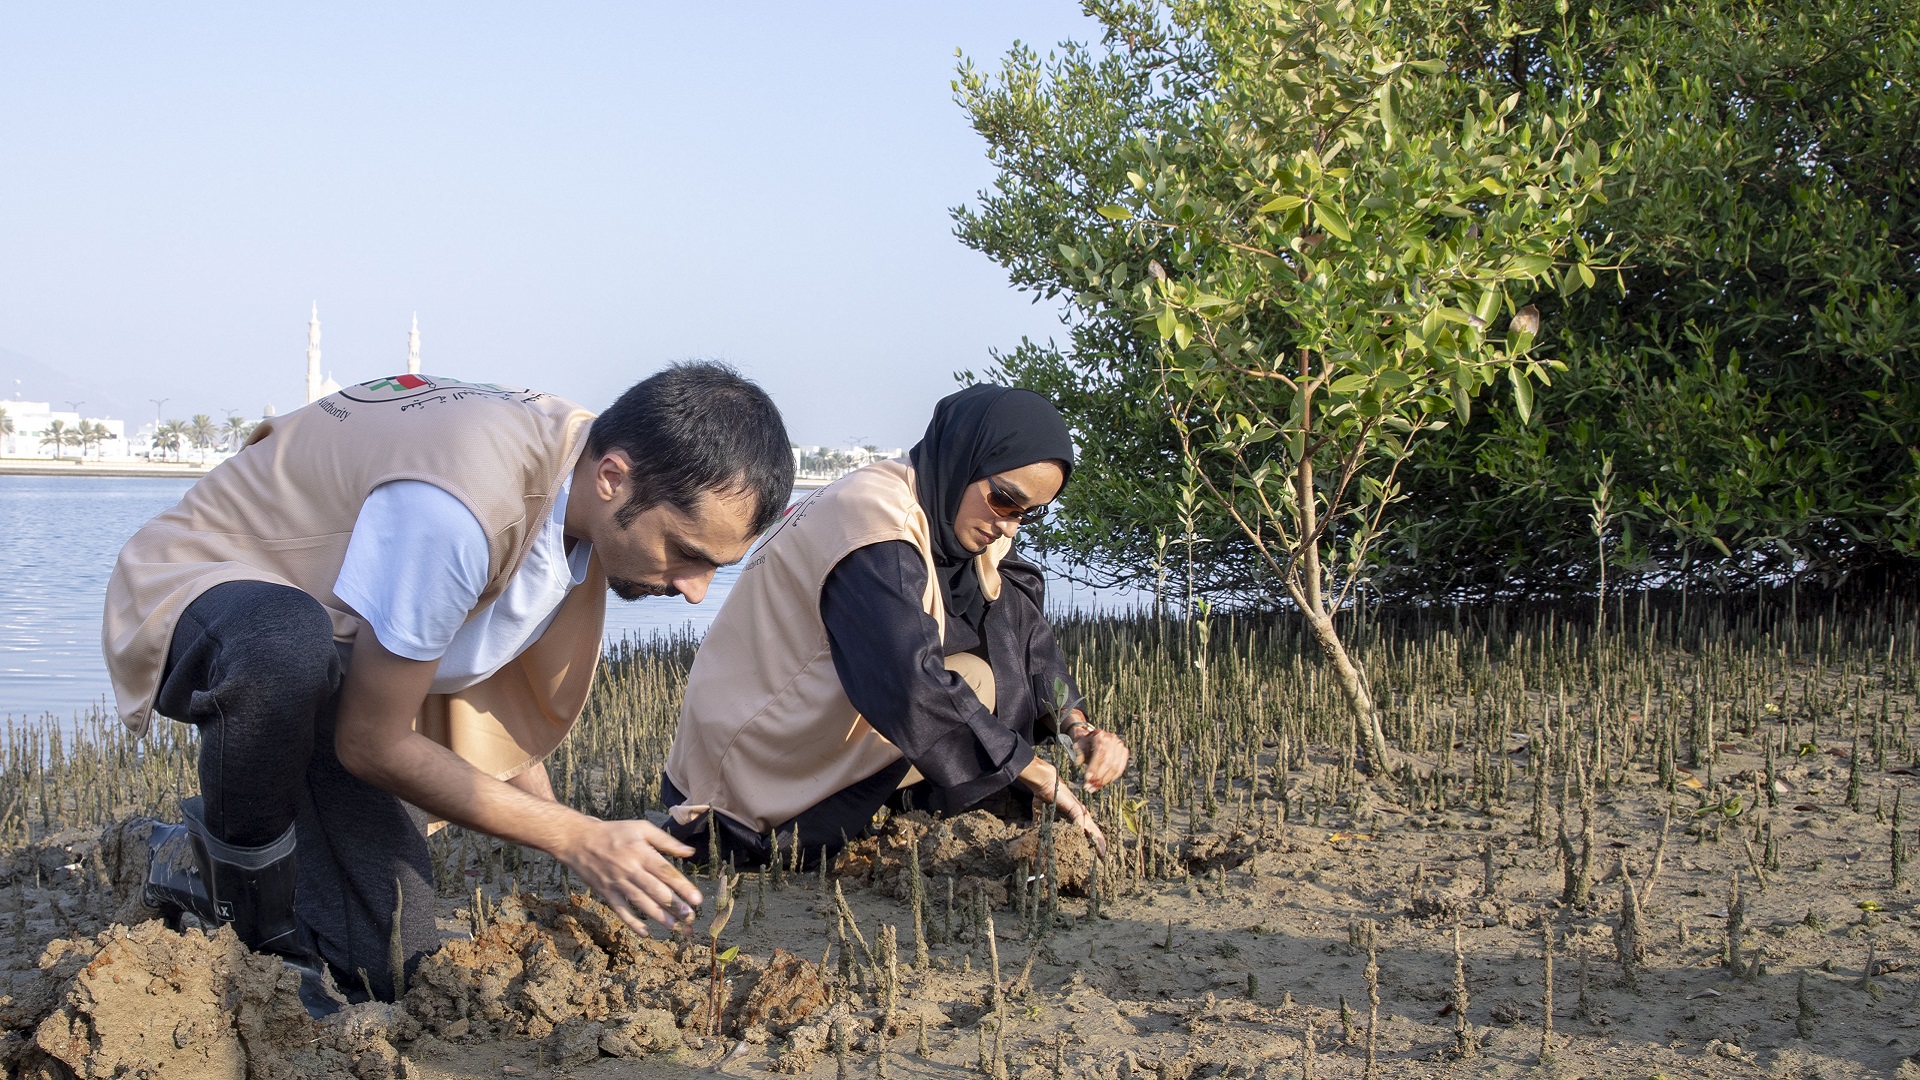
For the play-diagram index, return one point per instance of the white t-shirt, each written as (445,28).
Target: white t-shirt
(416,565)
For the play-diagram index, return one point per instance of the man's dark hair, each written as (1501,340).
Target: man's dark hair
(698,427)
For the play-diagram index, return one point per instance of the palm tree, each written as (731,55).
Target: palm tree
(236,432)
(170,436)
(58,434)
(88,434)
(202,433)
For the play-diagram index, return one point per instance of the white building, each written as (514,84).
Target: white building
(34,421)
(107,439)
(833,462)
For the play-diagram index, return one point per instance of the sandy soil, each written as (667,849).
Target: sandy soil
(1248,958)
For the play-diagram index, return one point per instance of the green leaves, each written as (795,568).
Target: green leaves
(1522,394)
(1529,267)
(1331,219)
(1353,300)
(1330,224)
(1729,340)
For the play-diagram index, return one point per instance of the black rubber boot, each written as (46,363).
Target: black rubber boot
(175,885)
(250,889)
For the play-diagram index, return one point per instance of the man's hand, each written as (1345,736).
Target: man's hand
(375,740)
(1101,753)
(621,861)
(1041,778)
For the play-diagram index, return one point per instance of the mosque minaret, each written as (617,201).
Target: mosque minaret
(317,386)
(320,384)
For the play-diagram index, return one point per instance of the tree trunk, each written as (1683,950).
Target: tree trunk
(1353,683)
(1377,756)
(1305,587)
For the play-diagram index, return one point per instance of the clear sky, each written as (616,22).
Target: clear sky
(569,195)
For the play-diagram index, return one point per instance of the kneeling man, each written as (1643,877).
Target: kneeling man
(387,609)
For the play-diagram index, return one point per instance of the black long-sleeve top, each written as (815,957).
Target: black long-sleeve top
(889,656)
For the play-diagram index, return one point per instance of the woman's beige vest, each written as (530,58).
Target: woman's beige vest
(766,730)
(283,509)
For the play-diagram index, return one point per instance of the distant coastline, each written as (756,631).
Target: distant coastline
(192,470)
(72,467)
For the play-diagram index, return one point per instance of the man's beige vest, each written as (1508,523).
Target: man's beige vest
(766,730)
(283,509)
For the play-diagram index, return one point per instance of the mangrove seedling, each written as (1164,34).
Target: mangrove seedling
(1546,993)
(722,911)
(1627,946)
(1466,1043)
(1803,1026)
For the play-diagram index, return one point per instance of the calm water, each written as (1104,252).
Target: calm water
(58,540)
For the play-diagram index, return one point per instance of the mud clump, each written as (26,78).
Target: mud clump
(978,850)
(148,1001)
(788,992)
(645,1031)
(145,1001)
(970,849)
(1212,849)
(77,881)
(571,973)
(1072,856)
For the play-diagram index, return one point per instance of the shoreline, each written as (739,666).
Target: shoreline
(70,467)
(188,470)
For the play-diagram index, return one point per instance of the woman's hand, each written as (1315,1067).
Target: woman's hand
(1041,778)
(1101,753)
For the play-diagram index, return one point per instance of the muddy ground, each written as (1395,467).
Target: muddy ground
(1245,957)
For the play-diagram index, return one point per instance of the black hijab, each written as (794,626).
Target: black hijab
(976,433)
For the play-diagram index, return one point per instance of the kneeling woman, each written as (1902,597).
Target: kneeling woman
(883,639)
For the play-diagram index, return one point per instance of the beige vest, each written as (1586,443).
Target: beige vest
(283,509)
(766,730)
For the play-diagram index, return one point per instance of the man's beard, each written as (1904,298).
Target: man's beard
(635,590)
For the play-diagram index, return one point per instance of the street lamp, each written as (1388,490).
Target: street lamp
(157,402)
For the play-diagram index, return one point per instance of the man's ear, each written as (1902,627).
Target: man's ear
(610,475)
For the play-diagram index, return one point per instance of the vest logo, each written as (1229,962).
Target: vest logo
(416,387)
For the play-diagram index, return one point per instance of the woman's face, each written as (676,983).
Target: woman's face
(977,524)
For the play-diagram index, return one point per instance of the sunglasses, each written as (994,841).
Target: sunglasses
(1002,503)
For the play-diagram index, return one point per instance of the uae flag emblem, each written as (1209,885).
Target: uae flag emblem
(398,382)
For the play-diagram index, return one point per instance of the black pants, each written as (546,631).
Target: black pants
(254,666)
(823,829)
